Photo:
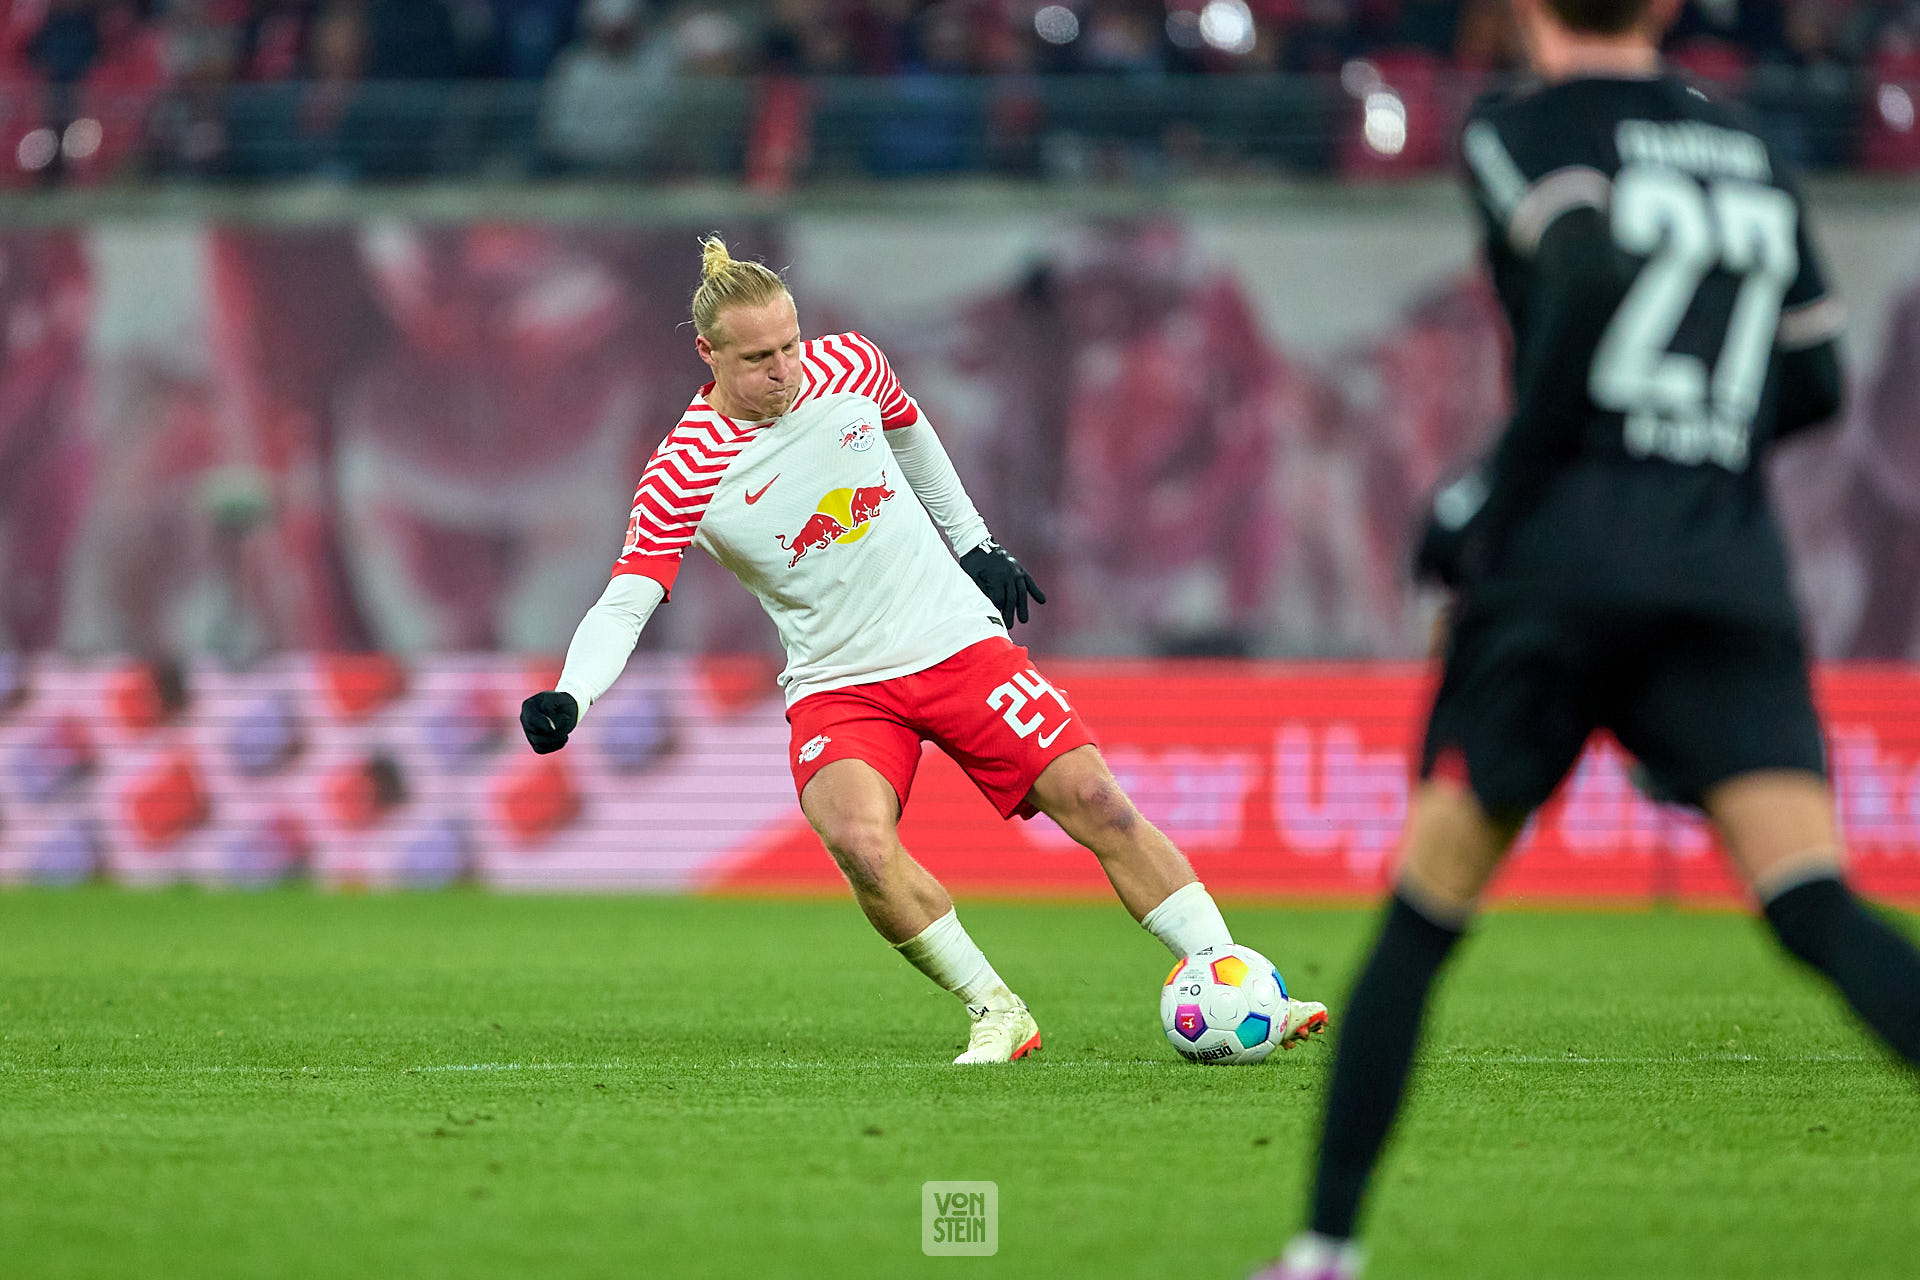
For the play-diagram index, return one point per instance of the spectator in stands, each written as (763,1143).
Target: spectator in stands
(68,41)
(1322,39)
(933,123)
(274,39)
(1121,41)
(881,31)
(340,43)
(1747,31)
(1871,25)
(1901,30)
(602,109)
(411,40)
(1807,100)
(1488,39)
(804,39)
(1429,25)
(411,50)
(477,47)
(321,125)
(1815,35)
(532,33)
(712,41)
(65,47)
(200,43)
(1794,60)
(201,50)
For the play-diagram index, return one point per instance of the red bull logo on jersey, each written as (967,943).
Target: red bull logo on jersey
(858,436)
(841,516)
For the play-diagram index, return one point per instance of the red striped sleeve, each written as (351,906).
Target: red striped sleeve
(673,493)
(851,362)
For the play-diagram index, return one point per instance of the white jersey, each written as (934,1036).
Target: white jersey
(810,511)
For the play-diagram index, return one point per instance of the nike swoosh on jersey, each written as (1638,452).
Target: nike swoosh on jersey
(755,497)
(1046,739)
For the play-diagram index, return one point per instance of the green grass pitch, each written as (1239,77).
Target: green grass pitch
(467,1086)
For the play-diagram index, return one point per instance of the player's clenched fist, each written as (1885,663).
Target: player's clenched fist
(547,718)
(1002,579)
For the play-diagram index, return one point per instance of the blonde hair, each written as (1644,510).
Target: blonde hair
(726,281)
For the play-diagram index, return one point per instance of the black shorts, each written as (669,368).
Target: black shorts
(1696,700)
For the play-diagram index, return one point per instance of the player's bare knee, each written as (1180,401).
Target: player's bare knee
(865,851)
(1102,807)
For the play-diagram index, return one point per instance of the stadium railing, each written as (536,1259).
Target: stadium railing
(1386,118)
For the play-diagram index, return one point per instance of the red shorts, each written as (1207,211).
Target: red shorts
(986,706)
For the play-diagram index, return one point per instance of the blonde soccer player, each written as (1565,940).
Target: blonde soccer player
(808,471)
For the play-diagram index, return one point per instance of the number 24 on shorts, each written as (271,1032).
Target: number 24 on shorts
(1025,687)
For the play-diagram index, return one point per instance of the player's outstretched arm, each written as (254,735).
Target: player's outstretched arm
(1578,281)
(602,643)
(1440,553)
(1576,286)
(1812,378)
(547,718)
(928,469)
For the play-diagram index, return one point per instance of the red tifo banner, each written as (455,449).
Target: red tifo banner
(1293,779)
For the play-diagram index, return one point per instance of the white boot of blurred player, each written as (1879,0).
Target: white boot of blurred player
(1315,1257)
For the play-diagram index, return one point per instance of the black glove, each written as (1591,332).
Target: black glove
(1002,580)
(1448,544)
(1440,559)
(547,718)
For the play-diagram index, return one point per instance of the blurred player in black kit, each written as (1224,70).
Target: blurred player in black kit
(1616,561)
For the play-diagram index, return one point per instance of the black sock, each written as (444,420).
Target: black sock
(1875,967)
(1378,1031)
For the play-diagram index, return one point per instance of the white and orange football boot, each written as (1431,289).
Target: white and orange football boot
(1305,1020)
(1000,1033)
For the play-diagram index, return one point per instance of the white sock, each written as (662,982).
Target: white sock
(945,953)
(1187,921)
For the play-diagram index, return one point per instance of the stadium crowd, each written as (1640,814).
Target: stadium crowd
(275,88)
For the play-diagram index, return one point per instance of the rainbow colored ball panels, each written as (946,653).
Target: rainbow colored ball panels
(1223,1005)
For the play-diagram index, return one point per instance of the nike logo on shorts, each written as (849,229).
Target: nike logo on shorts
(755,497)
(1046,739)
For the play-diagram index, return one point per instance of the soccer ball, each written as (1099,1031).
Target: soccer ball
(1224,1004)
